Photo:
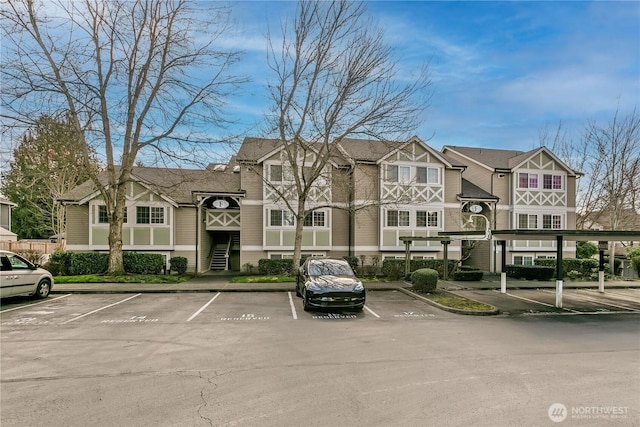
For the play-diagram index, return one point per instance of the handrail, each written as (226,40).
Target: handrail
(227,252)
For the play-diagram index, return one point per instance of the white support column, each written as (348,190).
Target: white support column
(503,282)
(559,293)
(601,281)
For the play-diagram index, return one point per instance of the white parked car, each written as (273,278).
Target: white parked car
(20,277)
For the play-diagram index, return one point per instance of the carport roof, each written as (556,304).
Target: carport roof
(610,235)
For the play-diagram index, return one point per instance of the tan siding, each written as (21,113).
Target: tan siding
(452,185)
(452,219)
(341,182)
(501,188)
(190,256)
(367,227)
(251,181)
(77,225)
(366,182)
(339,227)
(185,226)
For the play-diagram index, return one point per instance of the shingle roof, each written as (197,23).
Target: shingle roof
(472,191)
(176,184)
(495,158)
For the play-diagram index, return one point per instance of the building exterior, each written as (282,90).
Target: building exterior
(5,220)
(370,194)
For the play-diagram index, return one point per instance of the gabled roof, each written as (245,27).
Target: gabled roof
(257,150)
(472,191)
(177,185)
(498,159)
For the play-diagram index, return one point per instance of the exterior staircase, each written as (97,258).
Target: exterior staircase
(219,259)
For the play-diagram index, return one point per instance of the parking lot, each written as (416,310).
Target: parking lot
(575,301)
(208,307)
(258,359)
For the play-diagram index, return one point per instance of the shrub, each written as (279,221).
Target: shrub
(88,263)
(63,259)
(394,268)
(424,279)
(574,268)
(142,263)
(530,272)
(275,267)
(52,267)
(353,262)
(635,262)
(468,275)
(247,267)
(32,255)
(585,250)
(178,264)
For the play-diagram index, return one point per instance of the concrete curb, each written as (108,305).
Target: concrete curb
(451,309)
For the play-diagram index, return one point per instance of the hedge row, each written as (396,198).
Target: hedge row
(530,272)
(394,268)
(78,263)
(577,267)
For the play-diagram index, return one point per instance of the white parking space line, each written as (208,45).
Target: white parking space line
(371,311)
(616,295)
(203,307)
(37,303)
(293,308)
(100,309)
(538,302)
(600,302)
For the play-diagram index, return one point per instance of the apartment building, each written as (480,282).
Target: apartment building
(370,194)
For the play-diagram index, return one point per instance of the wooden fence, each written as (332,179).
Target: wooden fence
(22,245)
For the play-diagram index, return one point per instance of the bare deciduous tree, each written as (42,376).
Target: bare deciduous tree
(134,76)
(333,78)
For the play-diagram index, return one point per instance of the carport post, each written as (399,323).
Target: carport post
(503,273)
(407,254)
(559,272)
(445,273)
(601,246)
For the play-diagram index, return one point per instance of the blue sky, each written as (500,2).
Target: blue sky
(501,71)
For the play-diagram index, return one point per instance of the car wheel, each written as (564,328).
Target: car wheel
(43,289)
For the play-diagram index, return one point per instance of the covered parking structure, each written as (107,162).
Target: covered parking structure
(502,236)
(602,237)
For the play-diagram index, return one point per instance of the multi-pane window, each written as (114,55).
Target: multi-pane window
(552,182)
(427,219)
(314,219)
(280,218)
(427,175)
(391,173)
(275,173)
(149,215)
(102,215)
(103,218)
(552,222)
(527,180)
(397,218)
(404,174)
(526,221)
(523,260)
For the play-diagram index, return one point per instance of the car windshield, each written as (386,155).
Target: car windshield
(330,269)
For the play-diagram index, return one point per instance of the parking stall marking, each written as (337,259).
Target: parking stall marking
(203,307)
(398,305)
(597,301)
(538,302)
(293,307)
(37,303)
(615,295)
(371,311)
(100,309)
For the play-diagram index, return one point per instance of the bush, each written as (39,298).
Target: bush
(585,250)
(530,272)
(178,264)
(52,267)
(275,267)
(394,268)
(63,260)
(353,262)
(574,268)
(142,263)
(247,267)
(635,262)
(424,279)
(468,275)
(88,263)
(32,255)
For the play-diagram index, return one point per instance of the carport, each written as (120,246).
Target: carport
(602,237)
